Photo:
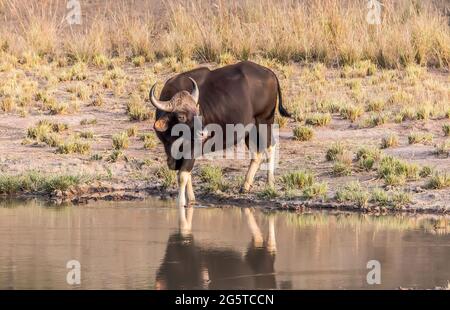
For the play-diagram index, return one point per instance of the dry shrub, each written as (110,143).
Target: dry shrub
(36,27)
(329,31)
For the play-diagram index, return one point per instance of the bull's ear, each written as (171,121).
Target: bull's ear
(162,124)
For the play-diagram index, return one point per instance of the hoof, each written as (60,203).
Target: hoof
(244,190)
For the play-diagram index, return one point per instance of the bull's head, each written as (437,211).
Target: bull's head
(180,109)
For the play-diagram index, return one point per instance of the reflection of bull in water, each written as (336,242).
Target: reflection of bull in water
(187,265)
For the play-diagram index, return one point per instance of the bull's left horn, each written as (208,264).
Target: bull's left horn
(159,104)
(195,92)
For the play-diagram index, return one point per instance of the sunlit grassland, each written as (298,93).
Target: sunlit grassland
(329,31)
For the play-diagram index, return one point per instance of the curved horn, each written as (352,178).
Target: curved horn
(195,92)
(159,104)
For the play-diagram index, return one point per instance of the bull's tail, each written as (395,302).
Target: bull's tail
(281,109)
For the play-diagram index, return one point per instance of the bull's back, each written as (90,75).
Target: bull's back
(232,94)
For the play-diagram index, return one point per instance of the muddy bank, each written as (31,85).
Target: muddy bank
(108,191)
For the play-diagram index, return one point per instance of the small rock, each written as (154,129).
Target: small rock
(67,195)
(82,189)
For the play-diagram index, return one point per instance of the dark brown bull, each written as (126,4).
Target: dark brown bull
(244,93)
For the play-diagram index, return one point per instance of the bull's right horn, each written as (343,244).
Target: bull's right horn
(195,92)
(159,104)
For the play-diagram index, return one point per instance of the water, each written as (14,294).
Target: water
(150,245)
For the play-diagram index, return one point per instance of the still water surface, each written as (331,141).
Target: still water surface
(153,245)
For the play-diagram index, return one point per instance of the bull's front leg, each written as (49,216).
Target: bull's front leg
(249,178)
(183,180)
(190,190)
(185,188)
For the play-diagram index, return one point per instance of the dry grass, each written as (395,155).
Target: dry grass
(419,137)
(150,140)
(389,141)
(318,119)
(74,146)
(137,109)
(443,149)
(439,181)
(343,164)
(46,132)
(330,31)
(120,141)
(351,112)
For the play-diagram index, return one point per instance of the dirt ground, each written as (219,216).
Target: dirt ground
(134,175)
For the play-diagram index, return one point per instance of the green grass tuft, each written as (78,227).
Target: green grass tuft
(36,182)
(316,190)
(168,177)
(268,193)
(303,133)
(395,171)
(212,176)
(439,181)
(353,192)
(335,150)
(379,197)
(367,157)
(297,179)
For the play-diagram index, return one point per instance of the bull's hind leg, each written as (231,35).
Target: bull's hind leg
(270,153)
(252,143)
(250,176)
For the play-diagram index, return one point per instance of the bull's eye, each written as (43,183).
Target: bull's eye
(182,118)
